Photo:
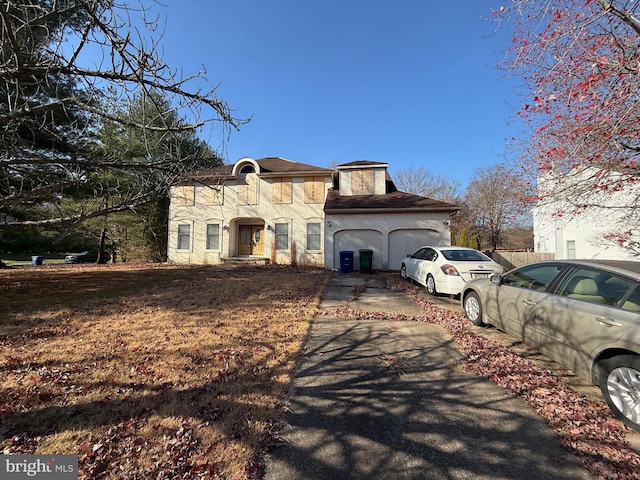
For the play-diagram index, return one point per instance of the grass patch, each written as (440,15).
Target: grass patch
(147,370)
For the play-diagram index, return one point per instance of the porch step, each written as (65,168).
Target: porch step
(245,260)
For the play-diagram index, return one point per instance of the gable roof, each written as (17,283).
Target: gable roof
(391,202)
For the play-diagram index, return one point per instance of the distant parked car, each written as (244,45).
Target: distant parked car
(87,257)
(584,314)
(446,269)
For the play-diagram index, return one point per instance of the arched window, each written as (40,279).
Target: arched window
(248,168)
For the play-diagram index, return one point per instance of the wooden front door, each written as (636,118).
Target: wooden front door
(250,240)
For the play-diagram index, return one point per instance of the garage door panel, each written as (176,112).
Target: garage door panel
(406,241)
(355,240)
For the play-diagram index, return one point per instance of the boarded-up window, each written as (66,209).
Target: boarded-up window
(313,190)
(248,190)
(281,190)
(362,182)
(212,195)
(185,195)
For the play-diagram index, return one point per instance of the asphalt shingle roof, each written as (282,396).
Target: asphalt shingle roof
(400,201)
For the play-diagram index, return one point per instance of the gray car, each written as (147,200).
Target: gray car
(584,314)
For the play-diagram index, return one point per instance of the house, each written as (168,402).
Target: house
(571,225)
(277,210)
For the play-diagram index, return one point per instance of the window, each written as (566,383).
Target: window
(362,182)
(248,190)
(185,194)
(213,195)
(595,286)
(632,302)
(282,236)
(213,236)
(184,237)
(535,277)
(571,249)
(314,190)
(248,168)
(314,236)
(430,254)
(281,190)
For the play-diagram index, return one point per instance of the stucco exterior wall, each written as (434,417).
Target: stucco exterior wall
(232,212)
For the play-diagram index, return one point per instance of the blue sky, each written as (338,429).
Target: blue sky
(407,82)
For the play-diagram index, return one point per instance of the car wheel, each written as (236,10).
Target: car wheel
(473,308)
(403,271)
(620,385)
(431,285)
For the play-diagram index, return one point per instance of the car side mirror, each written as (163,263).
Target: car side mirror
(496,279)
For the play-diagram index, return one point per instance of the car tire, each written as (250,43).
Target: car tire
(431,285)
(619,379)
(403,271)
(473,308)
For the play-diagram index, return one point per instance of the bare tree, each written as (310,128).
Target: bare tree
(421,181)
(494,201)
(580,60)
(58,60)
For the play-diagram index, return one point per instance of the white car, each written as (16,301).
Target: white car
(446,269)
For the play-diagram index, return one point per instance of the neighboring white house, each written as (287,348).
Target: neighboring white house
(283,211)
(569,229)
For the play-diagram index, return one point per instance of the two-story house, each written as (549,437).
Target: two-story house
(281,211)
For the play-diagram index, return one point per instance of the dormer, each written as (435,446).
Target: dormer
(244,166)
(362,178)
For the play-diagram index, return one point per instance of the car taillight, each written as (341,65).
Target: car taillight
(449,269)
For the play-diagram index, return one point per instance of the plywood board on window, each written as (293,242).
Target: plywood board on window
(282,190)
(362,182)
(212,195)
(313,190)
(185,194)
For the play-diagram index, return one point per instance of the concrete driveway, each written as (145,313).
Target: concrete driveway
(379,399)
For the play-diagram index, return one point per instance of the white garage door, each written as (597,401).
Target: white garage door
(354,240)
(403,242)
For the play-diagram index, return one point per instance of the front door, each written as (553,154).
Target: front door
(250,240)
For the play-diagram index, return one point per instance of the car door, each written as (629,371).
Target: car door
(582,316)
(512,304)
(427,265)
(412,263)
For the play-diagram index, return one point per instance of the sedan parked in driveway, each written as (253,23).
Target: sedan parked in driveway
(446,269)
(584,314)
(87,257)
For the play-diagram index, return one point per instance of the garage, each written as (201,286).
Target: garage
(354,240)
(405,241)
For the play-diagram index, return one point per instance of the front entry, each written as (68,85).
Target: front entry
(250,240)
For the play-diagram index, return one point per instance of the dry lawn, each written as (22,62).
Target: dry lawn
(150,371)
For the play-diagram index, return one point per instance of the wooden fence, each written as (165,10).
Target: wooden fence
(511,260)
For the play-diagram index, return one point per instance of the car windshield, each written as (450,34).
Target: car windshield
(465,256)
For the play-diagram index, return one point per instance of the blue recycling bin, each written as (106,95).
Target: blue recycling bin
(346,261)
(36,260)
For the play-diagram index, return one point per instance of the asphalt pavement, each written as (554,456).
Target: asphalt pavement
(379,399)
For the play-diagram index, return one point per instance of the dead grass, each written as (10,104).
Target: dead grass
(150,371)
